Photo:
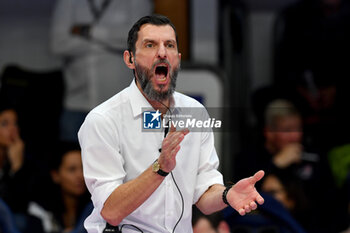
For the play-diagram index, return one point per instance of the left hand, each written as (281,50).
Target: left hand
(243,195)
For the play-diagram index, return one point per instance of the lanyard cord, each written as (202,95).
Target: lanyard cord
(172,175)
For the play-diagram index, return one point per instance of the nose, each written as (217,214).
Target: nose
(162,52)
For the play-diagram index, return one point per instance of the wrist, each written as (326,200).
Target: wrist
(156,167)
(224,194)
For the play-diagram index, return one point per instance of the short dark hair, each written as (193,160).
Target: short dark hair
(154,19)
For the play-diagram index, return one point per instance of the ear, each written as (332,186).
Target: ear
(55,177)
(179,56)
(127,58)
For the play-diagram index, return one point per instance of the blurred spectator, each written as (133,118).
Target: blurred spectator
(271,217)
(37,97)
(16,167)
(339,158)
(311,34)
(311,50)
(283,153)
(61,207)
(7,223)
(213,223)
(90,36)
(321,108)
(289,192)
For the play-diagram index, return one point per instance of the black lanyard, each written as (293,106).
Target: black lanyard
(98,12)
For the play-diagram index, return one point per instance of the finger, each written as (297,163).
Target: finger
(185,131)
(247,208)
(171,137)
(260,200)
(175,139)
(172,128)
(253,205)
(241,211)
(257,176)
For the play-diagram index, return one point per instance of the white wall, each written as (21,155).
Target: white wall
(24,30)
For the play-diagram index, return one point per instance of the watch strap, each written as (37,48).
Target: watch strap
(162,173)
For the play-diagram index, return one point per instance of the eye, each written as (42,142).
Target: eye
(149,45)
(170,45)
(4,123)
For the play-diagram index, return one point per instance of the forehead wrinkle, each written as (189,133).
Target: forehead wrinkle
(159,29)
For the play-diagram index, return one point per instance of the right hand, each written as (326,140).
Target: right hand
(170,147)
(288,155)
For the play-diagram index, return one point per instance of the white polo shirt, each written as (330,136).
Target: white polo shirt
(115,150)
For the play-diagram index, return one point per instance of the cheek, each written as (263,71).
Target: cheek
(284,138)
(175,64)
(291,137)
(144,60)
(73,183)
(67,181)
(4,138)
(298,136)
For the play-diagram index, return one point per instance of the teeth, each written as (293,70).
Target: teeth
(161,73)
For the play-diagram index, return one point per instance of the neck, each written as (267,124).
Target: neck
(71,208)
(162,106)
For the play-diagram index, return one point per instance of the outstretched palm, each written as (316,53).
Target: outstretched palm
(243,195)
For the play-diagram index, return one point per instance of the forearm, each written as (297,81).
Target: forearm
(211,201)
(129,196)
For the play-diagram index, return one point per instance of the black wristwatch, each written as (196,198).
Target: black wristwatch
(224,194)
(156,168)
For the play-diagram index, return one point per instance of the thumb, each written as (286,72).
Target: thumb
(257,176)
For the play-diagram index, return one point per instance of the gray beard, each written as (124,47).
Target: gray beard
(144,76)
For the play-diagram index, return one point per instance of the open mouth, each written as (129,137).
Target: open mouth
(161,72)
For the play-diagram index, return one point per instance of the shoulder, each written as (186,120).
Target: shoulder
(109,112)
(113,104)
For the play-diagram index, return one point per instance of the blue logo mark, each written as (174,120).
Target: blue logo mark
(151,120)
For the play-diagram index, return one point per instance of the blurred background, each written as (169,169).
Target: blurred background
(238,56)
(234,37)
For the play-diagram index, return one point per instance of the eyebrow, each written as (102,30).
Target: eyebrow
(153,41)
